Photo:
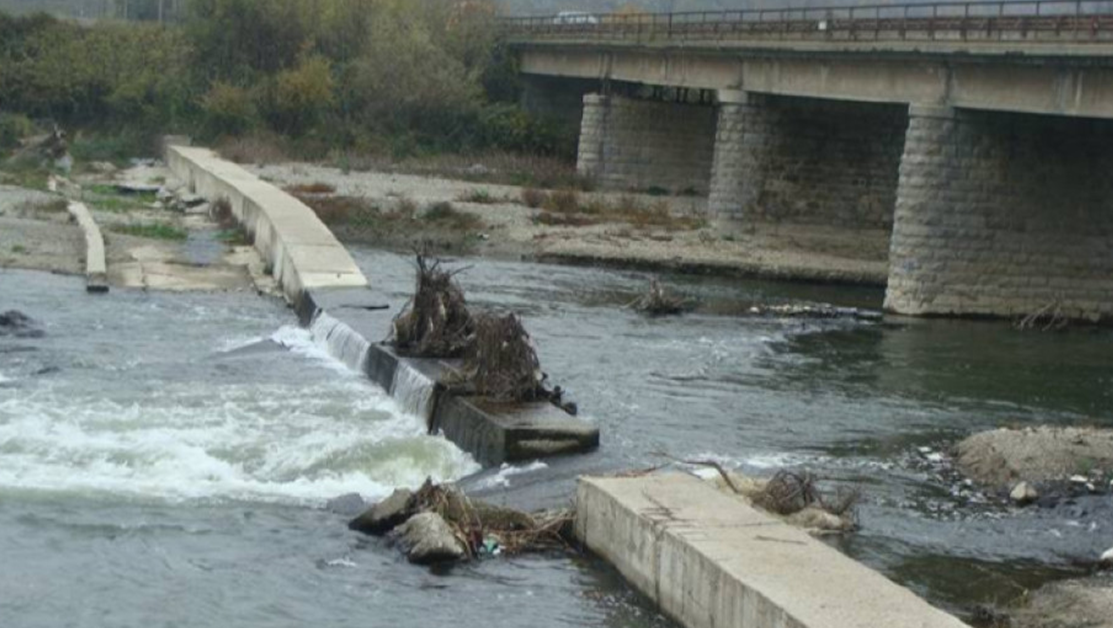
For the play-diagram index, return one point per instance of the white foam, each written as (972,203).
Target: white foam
(302,342)
(303,444)
(506,471)
(413,391)
(5,378)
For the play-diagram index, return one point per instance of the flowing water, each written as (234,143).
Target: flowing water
(164,458)
(871,406)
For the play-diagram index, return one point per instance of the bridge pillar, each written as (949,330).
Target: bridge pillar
(635,144)
(1003,214)
(733,165)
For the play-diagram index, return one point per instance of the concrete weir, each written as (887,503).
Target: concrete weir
(333,299)
(709,560)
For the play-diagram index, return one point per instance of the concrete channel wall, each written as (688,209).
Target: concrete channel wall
(709,560)
(332,298)
(298,248)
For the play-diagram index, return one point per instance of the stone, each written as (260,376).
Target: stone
(428,539)
(385,515)
(1106,559)
(349,504)
(17,324)
(191,200)
(1024,494)
(102,167)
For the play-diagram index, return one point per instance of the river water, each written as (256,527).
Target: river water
(164,458)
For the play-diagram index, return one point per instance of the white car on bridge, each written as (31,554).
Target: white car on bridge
(575,17)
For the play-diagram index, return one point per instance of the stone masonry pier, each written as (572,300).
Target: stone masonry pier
(981,140)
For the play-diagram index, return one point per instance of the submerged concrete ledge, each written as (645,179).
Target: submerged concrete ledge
(708,560)
(299,249)
(96,269)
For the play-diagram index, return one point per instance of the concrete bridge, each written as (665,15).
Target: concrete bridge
(981,134)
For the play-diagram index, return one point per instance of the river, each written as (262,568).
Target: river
(164,458)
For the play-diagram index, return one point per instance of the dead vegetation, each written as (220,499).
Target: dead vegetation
(436,322)
(502,362)
(487,529)
(1050,317)
(568,208)
(317,187)
(657,302)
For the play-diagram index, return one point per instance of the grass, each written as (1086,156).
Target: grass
(446,215)
(233,237)
(479,196)
(109,198)
(318,187)
(154,230)
(567,208)
(19,249)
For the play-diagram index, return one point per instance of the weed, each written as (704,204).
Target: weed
(563,201)
(534,198)
(318,187)
(446,215)
(233,237)
(157,230)
(480,196)
(656,190)
(19,249)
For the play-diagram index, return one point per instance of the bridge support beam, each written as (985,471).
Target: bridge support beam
(735,163)
(634,144)
(1002,214)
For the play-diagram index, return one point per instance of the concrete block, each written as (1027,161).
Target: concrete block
(496,432)
(708,560)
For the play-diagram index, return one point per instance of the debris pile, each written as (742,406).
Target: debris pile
(502,361)
(499,358)
(657,302)
(439,524)
(792,496)
(437,322)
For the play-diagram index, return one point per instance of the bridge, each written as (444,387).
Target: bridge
(981,134)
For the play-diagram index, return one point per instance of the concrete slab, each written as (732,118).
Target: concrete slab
(298,248)
(711,561)
(96,270)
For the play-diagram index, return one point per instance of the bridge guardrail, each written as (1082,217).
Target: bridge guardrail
(1007,20)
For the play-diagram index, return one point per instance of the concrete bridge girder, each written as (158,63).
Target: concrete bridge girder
(1030,85)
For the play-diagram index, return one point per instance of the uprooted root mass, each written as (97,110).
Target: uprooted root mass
(437,322)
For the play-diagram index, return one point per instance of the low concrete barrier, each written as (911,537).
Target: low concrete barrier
(299,249)
(330,295)
(709,560)
(96,269)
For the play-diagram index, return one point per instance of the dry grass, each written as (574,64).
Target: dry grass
(317,187)
(568,208)
(254,149)
(533,198)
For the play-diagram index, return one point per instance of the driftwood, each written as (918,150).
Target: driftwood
(1048,318)
(483,527)
(436,323)
(502,362)
(657,302)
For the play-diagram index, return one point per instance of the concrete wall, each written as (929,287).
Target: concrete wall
(299,249)
(1001,214)
(708,560)
(809,161)
(627,143)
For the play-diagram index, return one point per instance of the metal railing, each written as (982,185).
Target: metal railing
(1012,20)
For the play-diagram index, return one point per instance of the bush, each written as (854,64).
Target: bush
(533,198)
(14,127)
(229,110)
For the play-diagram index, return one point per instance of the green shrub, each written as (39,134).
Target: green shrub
(229,109)
(13,127)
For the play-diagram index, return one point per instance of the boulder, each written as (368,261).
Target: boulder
(1106,559)
(385,515)
(428,539)
(348,504)
(1024,494)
